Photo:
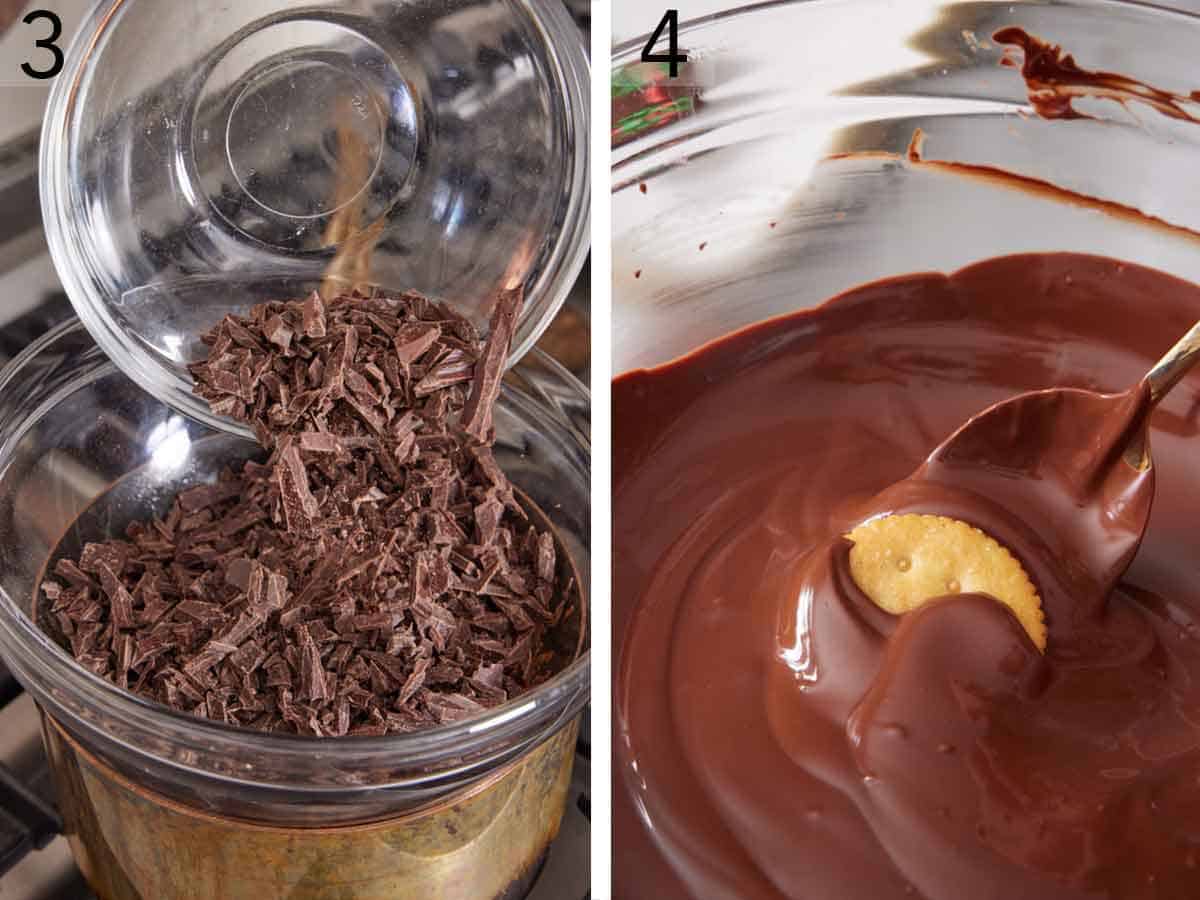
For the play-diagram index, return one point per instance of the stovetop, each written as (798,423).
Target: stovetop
(35,860)
(36,864)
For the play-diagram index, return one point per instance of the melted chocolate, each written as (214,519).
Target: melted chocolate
(1054,81)
(778,735)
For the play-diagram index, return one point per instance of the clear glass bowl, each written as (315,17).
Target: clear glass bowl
(792,169)
(261,139)
(83,451)
(787,181)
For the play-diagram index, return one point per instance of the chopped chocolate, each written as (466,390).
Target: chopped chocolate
(375,574)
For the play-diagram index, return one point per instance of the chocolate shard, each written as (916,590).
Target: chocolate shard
(455,368)
(300,507)
(241,335)
(489,371)
(488,516)
(98,557)
(119,599)
(277,592)
(413,683)
(74,575)
(313,316)
(320,442)
(448,708)
(412,342)
(545,557)
(312,676)
(237,572)
(489,676)
(278,333)
(362,388)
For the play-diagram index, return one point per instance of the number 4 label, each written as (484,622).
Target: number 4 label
(672,57)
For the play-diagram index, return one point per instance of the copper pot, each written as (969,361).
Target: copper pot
(486,841)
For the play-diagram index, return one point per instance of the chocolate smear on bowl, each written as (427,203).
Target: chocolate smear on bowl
(377,573)
(1054,81)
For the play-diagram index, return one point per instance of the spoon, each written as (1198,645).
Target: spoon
(1070,467)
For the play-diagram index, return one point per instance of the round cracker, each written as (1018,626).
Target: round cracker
(902,561)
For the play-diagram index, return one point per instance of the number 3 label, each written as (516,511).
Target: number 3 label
(46,43)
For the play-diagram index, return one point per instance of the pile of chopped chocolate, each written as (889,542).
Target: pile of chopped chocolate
(377,574)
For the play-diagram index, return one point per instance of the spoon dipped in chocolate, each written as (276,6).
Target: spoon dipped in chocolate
(973,737)
(1070,469)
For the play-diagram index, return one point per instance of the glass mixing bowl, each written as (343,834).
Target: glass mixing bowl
(83,451)
(789,181)
(446,140)
(782,177)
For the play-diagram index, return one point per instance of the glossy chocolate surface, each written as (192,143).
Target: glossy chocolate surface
(779,736)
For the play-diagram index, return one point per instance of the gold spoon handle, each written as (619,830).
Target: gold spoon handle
(1177,362)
